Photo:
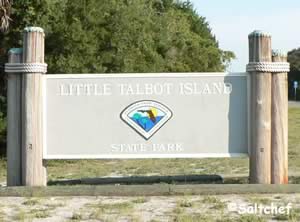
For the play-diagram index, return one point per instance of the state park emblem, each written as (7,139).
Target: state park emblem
(146,117)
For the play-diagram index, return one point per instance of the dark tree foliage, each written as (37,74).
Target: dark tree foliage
(119,36)
(5,9)
(294,74)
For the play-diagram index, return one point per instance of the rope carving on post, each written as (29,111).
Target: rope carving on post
(26,68)
(268,67)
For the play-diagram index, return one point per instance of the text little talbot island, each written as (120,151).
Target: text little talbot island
(108,89)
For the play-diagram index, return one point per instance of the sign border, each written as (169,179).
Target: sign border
(142,75)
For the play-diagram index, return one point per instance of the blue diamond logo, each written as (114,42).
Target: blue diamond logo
(146,117)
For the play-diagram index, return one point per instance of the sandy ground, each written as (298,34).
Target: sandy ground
(172,208)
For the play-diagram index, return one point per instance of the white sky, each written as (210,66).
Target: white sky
(232,20)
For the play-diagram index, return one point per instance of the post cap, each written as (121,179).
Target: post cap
(15,51)
(259,33)
(33,29)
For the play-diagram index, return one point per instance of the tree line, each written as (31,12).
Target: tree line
(112,36)
(294,74)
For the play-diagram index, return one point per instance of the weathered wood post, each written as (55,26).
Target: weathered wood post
(34,173)
(14,132)
(261,81)
(279,154)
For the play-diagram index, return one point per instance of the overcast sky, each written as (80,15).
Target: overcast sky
(232,20)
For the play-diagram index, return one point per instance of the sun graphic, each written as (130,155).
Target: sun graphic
(154,111)
(146,117)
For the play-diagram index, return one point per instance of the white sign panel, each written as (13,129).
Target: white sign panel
(146,115)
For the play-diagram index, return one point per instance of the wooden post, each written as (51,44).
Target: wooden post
(279,153)
(260,154)
(14,132)
(34,173)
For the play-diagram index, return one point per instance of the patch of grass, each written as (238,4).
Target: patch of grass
(178,210)
(53,206)
(236,180)
(31,202)
(100,168)
(76,217)
(2,169)
(119,208)
(210,200)
(281,217)
(96,215)
(185,203)
(181,205)
(192,218)
(219,206)
(294,215)
(294,180)
(140,200)
(215,202)
(99,215)
(39,213)
(20,215)
(103,212)
(250,218)
(294,140)
(260,200)
(225,219)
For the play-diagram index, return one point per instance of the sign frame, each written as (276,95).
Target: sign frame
(144,75)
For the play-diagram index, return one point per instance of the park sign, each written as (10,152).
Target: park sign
(157,115)
(153,115)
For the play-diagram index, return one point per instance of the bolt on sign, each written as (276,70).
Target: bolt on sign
(146,115)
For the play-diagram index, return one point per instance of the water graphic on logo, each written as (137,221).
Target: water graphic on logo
(146,117)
